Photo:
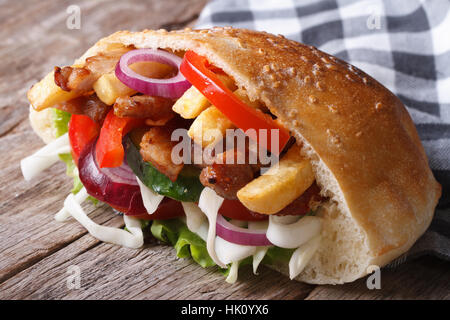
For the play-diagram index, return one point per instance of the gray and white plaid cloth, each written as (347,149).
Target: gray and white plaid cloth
(404,44)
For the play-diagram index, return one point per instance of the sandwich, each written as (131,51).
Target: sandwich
(236,147)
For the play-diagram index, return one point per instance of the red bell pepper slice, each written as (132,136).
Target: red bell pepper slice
(82,130)
(197,71)
(109,149)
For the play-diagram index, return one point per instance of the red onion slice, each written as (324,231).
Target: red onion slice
(168,88)
(234,234)
(122,174)
(116,186)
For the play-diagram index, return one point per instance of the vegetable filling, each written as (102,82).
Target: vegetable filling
(177,147)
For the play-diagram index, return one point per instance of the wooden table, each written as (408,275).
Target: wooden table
(36,251)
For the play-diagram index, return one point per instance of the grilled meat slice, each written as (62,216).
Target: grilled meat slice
(309,200)
(81,79)
(78,79)
(157,110)
(227,178)
(90,106)
(156,148)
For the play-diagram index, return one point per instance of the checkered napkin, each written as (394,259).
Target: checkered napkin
(404,44)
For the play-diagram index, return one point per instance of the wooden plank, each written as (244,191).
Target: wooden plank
(28,231)
(424,278)
(112,272)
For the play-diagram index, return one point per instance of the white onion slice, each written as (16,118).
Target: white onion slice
(134,228)
(302,256)
(260,252)
(295,234)
(150,198)
(132,239)
(228,252)
(45,157)
(258,256)
(195,218)
(80,197)
(233,274)
(202,232)
(210,203)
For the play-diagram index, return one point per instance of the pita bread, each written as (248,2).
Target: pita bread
(364,147)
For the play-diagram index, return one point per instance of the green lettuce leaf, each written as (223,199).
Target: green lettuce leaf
(60,121)
(187,187)
(276,255)
(61,124)
(187,244)
(166,230)
(71,171)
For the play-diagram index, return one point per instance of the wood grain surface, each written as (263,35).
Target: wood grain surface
(36,251)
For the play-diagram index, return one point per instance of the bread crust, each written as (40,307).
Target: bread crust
(351,127)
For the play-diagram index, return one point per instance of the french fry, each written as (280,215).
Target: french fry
(108,88)
(209,126)
(280,185)
(46,93)
(193,102)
